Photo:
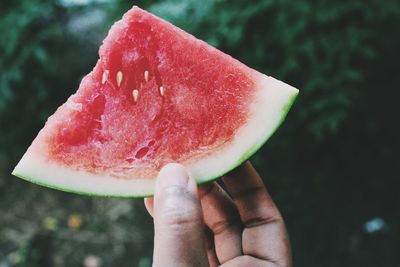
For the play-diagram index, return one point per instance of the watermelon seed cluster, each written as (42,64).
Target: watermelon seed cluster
(135,92)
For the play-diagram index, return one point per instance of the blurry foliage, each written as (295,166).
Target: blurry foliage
(330,167)
(318,46)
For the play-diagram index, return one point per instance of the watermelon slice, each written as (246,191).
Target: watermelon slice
(156,95)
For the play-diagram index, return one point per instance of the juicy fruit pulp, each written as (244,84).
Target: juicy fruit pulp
(156,95)
(114,132)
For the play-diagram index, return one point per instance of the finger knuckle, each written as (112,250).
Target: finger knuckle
(262,220)
(179,208)
(225,226)
(175,217)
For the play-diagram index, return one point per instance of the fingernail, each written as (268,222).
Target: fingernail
(173,174)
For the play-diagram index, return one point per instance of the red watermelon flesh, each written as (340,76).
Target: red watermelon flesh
(156,95)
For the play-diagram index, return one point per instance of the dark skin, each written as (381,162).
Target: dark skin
(208,226)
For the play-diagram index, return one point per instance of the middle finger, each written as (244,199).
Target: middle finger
(222,218)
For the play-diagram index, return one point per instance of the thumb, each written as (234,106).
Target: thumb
(178,220)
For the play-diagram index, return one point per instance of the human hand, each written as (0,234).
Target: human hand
(209,227)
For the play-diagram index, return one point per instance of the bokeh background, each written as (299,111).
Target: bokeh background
(333,167)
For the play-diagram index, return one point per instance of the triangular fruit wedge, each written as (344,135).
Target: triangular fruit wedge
(156,95)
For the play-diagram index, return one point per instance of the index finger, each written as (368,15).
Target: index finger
(264,235)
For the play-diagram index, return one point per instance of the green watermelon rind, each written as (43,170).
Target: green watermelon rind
(250,152)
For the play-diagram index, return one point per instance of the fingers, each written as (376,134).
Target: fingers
(178,222)
(264,238)
(224,231)
(264,235)
(250,195)
(222,218)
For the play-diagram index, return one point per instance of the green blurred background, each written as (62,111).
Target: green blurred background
(332,167)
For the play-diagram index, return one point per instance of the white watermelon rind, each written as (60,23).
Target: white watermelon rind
(270,106)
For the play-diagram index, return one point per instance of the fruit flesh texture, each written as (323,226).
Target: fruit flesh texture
(205,101)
